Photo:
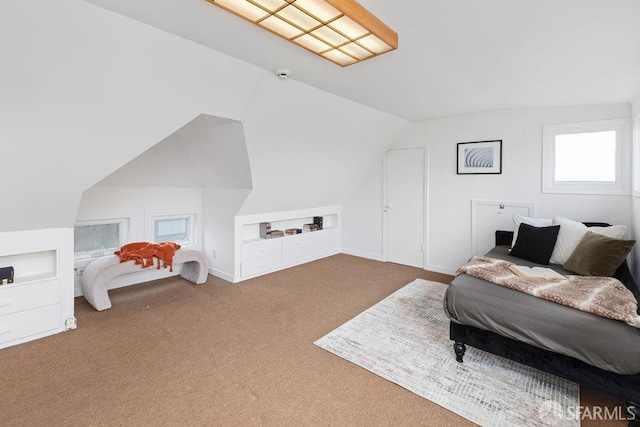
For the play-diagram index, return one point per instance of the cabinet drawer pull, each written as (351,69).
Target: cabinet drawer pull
(4,330)
(4,303)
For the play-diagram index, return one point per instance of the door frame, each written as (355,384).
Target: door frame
(425,200)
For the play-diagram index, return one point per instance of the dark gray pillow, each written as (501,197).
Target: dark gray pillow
(535,243)
(598,255)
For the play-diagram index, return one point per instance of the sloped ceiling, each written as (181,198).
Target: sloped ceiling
(85,91)
(454,56)
(208,152)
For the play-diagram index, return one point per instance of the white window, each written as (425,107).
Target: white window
(179,229)
(181,225)
(586,158)
(98,238)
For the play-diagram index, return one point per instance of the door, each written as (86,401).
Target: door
(489,216)
(404,207)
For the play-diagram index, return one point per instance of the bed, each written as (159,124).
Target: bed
(585,348)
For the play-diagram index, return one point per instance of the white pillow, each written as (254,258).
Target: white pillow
(536,222)
(572,232)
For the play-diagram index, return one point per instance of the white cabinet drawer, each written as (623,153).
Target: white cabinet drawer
(261,265)
(260,248)
(14,298)
(297,255)
(297,241)
(326,235)
(323,249)
(29,322)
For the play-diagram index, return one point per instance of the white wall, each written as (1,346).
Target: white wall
(206,152)
(85,90)
(362,218)
(450,195)
(100,89)
(220,207)
(309,148)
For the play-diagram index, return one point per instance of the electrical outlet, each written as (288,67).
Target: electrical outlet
(213,253)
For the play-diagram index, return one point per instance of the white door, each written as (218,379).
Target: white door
(404,207)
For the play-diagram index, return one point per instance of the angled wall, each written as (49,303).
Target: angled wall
(203,166)
(84,91)
(206,152)
(309,148)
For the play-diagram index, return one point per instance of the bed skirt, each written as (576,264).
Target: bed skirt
(623,386)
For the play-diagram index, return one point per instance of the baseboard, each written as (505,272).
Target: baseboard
(221,274)
(361,254)
(438,269)
(376,257)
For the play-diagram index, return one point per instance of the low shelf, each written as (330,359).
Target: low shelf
(39,302)
(256,256)
(32,266)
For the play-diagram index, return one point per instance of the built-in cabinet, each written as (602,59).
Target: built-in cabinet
(260,256)
(40,300)
(487,216)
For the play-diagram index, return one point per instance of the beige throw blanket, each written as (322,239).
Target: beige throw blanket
(604,296)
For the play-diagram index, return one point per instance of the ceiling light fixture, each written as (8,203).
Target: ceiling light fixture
(341,31)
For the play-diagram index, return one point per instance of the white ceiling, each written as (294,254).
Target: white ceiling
(454,56)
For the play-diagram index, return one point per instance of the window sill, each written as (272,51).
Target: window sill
(587,191)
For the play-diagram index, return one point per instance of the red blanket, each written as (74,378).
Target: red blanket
(144,252)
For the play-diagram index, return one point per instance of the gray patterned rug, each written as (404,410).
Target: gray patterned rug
(405,339)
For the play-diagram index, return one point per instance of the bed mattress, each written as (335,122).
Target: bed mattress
(607,344)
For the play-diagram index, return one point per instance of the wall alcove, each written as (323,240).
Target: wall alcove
(201,171)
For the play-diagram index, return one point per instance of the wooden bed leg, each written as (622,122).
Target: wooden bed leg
(633,413)
(459,349)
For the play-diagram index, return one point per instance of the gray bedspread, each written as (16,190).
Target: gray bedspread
(611,345)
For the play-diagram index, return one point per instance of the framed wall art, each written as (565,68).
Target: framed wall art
(481,157)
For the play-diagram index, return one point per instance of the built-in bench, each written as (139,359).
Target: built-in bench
(98,274)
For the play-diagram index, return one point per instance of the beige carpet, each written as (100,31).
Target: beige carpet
(405,339)
(171,353)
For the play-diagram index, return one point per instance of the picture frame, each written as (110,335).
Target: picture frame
(479,157)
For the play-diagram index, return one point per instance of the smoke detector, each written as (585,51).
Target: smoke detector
(283,73)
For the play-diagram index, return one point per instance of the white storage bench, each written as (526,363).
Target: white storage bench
(98,274)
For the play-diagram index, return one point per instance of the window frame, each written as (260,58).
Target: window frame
(621,186)
(194,213)
(123,224)
(191,228)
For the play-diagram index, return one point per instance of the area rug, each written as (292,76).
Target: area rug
(405,339)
